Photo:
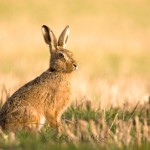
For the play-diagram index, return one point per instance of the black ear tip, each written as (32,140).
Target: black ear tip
(67,26)
(45,27)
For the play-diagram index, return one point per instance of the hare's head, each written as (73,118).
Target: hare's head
(61,59)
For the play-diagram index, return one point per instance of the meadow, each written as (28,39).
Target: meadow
(111,89)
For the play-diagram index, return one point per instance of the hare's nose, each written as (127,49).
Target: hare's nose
(75,66)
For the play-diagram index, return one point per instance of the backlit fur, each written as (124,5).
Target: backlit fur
(42,100)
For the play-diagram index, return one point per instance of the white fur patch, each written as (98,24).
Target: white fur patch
(42,121)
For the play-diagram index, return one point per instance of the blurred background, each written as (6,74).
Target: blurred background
(109,38)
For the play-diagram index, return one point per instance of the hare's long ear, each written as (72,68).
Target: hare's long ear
(49,38)
(63,37)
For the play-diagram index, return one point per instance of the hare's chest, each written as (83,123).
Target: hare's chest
(63,91)
(61,95)
(60,88)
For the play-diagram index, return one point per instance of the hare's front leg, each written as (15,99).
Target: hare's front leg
(53,119)
(56,123)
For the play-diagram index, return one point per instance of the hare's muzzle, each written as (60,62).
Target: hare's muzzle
(75,66)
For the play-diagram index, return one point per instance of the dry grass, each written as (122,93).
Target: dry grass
(84,123)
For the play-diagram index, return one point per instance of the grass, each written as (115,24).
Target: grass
(84,127)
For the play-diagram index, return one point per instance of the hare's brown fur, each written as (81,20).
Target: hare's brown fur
(42,100)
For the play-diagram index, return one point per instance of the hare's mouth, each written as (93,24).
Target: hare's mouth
(71,69)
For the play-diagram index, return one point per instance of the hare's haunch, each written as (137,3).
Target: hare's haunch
(42,100)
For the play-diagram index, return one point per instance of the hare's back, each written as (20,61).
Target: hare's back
(28,95)
(25,104)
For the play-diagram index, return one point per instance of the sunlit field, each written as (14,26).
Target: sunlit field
(111,41)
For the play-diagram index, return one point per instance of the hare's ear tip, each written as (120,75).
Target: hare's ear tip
(67,29)
(67,26)
(44,27)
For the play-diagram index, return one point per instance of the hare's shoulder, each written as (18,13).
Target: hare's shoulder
(34,85)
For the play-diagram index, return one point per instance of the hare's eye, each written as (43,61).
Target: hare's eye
(61,55)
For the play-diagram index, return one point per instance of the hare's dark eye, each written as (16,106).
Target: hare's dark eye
(61,55)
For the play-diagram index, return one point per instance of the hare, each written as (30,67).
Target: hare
(44,99)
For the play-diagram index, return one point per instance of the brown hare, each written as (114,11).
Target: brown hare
(44,99)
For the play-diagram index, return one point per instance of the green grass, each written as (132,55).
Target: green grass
(109,123)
